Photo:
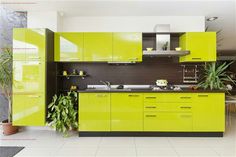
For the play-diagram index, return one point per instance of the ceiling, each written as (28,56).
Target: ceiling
(224,9)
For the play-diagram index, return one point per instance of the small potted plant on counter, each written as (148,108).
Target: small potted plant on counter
(6,88)
(215,76)
(62,114)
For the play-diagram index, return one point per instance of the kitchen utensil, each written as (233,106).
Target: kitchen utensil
(178,48)
(149,49)
(64,73)
(81,73)
(161,83)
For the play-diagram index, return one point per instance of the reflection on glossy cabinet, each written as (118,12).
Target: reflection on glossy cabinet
(97,47)
(202,46)
(68,46)
(94,112)
(30,109)
(126,112)
(19,44)
(28,76)
(127,47)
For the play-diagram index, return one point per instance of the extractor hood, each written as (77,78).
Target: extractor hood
(167,53)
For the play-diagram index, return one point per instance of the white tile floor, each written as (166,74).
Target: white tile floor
(47,143)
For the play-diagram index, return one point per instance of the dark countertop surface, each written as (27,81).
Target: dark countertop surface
(148,91)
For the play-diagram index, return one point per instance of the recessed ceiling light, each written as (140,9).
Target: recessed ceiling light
(212,18)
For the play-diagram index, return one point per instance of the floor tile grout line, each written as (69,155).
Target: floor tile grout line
(135,146)
(98,146)
(172,146)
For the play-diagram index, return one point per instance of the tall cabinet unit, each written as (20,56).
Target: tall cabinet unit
(33,74)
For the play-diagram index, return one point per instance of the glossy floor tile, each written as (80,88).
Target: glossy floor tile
(47,143)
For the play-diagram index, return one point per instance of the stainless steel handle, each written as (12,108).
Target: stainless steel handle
(150,97)
(185,107)
(203,95)
(197,58)
(33,96)
(150,107)
(153,115)
(34,57)
(185,97)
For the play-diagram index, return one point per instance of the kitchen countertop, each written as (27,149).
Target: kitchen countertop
(148,91)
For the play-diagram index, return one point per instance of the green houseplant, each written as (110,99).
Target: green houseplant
(6,88)
(215,76)
(62,114)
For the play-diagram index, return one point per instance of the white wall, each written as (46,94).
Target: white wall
(50,20)
(132,23)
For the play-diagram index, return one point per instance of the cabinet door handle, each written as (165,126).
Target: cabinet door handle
(203,95)
(34,57)
(151,115)
(33,96)
(185,97)
(131,95)
(150,97)
(186,116)
(101,95)
(196,58)
(185,107)
(150,107)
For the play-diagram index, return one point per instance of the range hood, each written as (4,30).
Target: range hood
(163,47)
(226,55)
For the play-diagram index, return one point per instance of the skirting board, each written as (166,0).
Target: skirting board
(151,134)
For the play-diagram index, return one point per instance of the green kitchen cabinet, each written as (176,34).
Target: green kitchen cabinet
(127,47)
(168,121)
(94,112)
(68,46)
(209,112)
(31,81)
(29,44)
(29,77)
(97,47)
(30,109)
(126,112)
(202,46)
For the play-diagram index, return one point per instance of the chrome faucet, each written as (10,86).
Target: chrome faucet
(107,83)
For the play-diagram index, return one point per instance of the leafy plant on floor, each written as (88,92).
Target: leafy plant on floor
(216,77)
(6,78)
(62,114)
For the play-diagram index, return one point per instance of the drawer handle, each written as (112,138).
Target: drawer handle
(185,107)
(150,97)
(197,58)
(151,115)
(202,95)
(185,97)
(133,95)
(33,96)
(101,95)
(150,107)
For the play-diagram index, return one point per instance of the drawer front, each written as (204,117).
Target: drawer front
(169,97)
(168,107)
(168,121)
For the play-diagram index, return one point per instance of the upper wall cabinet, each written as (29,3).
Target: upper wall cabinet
(202,46)
(97,47)
(68,46)
(29,44)
(127,47)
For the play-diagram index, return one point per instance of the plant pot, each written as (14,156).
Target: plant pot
(8,129)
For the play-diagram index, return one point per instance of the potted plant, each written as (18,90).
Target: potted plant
(215,76)
(62,113)
(6,88)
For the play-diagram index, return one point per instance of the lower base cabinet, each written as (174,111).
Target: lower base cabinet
(168,121)
(156,112)
(94,112)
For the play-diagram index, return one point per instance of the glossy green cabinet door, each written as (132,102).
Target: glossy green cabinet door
(68,46)
(94,112)
(19,44)
(126,112)
(202,46)
(35,40)
(97,47)
(28,109)
(127,47)
(209,112)
(168,121)
(28,77)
